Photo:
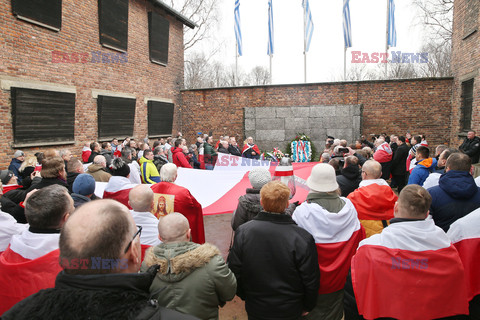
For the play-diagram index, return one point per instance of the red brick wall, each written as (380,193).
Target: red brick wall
(395,106)
(25,53)
(465,62)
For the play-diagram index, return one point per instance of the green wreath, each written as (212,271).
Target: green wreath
(302,137)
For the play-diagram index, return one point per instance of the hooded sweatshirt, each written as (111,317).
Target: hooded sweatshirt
(455,196)
(422,170)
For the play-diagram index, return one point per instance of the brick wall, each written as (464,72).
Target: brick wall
(421,106)
(26,55)
(465,62)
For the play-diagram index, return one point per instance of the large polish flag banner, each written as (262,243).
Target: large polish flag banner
(218,190)
(465,236)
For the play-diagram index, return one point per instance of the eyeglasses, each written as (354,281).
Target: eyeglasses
(139,233)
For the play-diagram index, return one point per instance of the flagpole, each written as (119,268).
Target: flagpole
(386,39)
(236,64)
(271,69)
(304,44)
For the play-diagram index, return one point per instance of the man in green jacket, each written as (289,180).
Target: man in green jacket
(209,153)
(192,278)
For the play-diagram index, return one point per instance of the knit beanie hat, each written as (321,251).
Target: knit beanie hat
(5,176)
(18,153)
(259,177)
(120,168)
(84,184)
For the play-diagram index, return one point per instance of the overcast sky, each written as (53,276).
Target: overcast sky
(325,57)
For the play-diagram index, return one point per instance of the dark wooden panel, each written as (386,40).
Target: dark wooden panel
(113,23)
(158,35)
(116,117)
(160,118)
(467,104)
(42,116)
(47,12)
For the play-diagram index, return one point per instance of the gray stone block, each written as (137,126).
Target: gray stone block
(284,112)
(317,123)
(322,111)
(250,113)
(342,111)
(273,124)
(270,135)
(301,112)
(250,133)
(299,124)
(265,112)
(249,124)
(318,134)
(290,135)
(357,110)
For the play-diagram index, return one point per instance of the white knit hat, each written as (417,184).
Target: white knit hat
(259,177)
(322,178)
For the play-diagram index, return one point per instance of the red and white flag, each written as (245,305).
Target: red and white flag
(118,188)
(465,236)
(30,263)
(336,235)
(374,201)
(409,271)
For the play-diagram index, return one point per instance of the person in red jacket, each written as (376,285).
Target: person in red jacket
(170,197)
(179,158)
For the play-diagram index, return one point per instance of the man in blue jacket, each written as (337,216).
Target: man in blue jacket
(425,165)
(457,194)
(18,158)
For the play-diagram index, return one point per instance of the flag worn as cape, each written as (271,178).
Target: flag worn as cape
(336,235)
(185,204)
(254,148)
(409,271)
(21,277)
(465,236)
(374,202)
(118,188)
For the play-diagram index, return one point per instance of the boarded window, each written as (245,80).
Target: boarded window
(47,13)
(116,117)
(158,33)
(467,102)
(470,21)
(160,118)
(113,23)
(40,116)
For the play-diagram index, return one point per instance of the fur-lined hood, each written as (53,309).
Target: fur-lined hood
(178,260)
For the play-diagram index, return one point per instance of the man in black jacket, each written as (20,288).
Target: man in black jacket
(399,166)
(100,254)
(275,261)
(350,176)
(471,146)
(233,147)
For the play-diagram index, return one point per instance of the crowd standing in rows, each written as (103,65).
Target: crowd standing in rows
(382,233)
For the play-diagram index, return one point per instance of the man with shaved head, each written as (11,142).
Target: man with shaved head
(374,199)
(192,278)
(140,199)
(100,255)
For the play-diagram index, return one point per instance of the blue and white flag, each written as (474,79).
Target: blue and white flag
(238,31)
(392,32)
(308,24)
(347,27)
(270,28)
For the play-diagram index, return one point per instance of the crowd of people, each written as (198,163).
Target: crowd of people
(387,230)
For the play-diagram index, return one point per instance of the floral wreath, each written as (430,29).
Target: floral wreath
(302,148)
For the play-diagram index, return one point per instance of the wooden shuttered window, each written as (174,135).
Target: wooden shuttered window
(158,36)
(46,13)
(467,103)
(113,24)
(160,118)
(42,117)
(116,117)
